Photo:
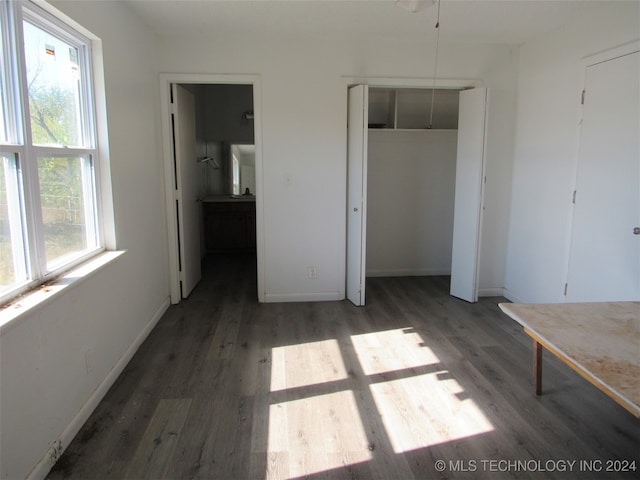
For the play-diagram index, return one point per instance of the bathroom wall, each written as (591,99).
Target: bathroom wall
(219,123)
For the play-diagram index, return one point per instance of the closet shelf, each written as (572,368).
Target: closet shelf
(401,109)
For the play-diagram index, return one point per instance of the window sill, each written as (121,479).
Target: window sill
(46,293)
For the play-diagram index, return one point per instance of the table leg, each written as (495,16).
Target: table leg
(537,368)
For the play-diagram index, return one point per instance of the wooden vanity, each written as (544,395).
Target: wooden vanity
(229,223)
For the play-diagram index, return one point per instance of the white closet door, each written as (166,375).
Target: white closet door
(357,125)
(604,259)
(187,207)
(467,218)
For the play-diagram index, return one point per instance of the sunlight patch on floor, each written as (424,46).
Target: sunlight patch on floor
(321,429)
(306,364)
(421,409)
(426,410)
(316,434)
(392,350)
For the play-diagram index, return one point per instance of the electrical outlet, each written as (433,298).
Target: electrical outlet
(313,273)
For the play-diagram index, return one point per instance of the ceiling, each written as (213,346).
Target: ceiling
(478,21)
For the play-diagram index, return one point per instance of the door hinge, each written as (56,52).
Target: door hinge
(582,95)
(566,285)
(573,200)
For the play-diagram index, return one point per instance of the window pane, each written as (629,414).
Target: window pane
(12,248)
(64,202)
(53,78)
(7,269)
(4,135)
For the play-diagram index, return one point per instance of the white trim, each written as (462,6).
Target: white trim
(166,79)
(610,54)
(44,5)
(104,187)
(409,272)
(411,82)
(303,297)
(43,466)
(512,297)
(491,292)
(483,184)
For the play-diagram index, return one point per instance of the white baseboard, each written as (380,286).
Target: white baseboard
(491,292)
(303,297)
(42,468)
(509,295)
(408,272)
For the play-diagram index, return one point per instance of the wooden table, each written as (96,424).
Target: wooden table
(600,341)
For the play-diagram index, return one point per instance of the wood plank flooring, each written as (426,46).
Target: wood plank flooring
(226,388)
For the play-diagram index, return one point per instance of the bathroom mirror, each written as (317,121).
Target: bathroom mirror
(227,169)
(242,160)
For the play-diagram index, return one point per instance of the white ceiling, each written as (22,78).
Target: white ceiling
(481,21)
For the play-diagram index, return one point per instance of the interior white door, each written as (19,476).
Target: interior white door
(604,259)
(467,216)
(186,193)
(357,125)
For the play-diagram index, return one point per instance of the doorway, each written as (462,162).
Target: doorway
(226,157)
(413,226)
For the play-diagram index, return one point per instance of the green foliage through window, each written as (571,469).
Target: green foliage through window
(49,217)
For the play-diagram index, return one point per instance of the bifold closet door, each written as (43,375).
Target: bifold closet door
(467,217)
(357,132)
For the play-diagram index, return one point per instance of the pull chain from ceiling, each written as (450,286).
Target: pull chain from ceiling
(435,68)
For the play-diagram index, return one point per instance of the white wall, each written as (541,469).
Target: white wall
(410,196)
(550,82)
(501,77)
(304,103)
(53,359)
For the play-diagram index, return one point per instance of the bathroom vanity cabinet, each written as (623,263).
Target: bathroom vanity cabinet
(229,224)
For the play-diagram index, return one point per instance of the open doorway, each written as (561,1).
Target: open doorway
(216,180)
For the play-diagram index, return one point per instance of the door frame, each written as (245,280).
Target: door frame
(392,82)
(166,79)
(587,61)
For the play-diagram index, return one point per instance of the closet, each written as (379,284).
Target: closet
(411,218)
(410,181)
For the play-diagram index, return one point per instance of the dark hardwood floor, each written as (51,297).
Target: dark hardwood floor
(417,384)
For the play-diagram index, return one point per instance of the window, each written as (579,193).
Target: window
(49,209)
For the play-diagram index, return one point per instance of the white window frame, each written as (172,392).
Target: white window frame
(21,170)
